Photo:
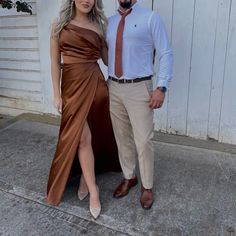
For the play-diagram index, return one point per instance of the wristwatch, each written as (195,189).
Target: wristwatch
(162,89)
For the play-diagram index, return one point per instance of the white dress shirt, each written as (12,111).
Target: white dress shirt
(144,31)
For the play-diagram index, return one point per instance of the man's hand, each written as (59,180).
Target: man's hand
(157,98)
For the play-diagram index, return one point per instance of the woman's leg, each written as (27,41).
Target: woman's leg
(82,185)
(86,159)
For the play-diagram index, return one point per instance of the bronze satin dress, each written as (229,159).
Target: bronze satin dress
(84,97)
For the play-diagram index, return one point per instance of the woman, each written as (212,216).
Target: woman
(82,99)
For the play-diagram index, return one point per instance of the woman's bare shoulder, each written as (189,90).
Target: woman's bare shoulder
(54,24)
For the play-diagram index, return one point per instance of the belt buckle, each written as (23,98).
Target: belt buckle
(128,81)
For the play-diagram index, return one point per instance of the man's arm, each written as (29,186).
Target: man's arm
(165,58)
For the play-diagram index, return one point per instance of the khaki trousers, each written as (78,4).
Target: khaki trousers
(132,121)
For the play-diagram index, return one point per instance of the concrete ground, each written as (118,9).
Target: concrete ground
(195,188)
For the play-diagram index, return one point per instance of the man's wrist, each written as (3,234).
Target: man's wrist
(162,89)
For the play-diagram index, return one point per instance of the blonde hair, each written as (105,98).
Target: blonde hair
(67,12)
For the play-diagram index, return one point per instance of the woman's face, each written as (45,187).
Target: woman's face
(84,6)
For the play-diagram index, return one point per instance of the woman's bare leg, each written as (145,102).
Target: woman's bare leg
(86,159)
(82,185)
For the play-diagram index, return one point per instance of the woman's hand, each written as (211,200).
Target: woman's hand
(57,102)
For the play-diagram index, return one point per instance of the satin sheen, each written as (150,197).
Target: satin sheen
(119,44)
(85,97)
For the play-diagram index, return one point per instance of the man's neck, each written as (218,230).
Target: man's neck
(126,9)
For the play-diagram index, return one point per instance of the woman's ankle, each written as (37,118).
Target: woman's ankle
(94,190)
(83,185)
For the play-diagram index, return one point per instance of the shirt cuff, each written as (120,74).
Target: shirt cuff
(162,83)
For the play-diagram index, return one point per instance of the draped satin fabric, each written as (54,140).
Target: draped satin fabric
(84,97)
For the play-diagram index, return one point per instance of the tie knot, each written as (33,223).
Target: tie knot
(125,13)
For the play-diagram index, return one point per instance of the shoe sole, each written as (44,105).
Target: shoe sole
(147,208)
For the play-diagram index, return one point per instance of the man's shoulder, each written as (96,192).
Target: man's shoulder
(144,12)
(149,12)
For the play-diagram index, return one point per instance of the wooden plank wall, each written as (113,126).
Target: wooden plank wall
(227,121)
(201,100)
(20,81)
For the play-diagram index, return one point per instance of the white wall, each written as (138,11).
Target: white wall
(46,13)
(20,80)
(201,100)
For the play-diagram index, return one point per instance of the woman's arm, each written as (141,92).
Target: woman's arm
(55,69)
(104,54)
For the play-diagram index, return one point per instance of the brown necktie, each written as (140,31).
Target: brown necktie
(119,43)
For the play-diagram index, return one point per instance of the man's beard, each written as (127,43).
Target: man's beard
(126,4)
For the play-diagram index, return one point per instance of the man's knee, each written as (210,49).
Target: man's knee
(144,144)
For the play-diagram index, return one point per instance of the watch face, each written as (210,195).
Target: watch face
(163,89)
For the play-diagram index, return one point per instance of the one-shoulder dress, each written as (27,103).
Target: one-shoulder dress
(84,97)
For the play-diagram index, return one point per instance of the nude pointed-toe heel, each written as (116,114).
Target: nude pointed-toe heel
(95,212)
(82,195)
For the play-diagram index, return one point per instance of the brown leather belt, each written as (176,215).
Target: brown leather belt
(127,81)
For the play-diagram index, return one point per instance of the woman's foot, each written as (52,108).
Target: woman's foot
(94,203)
(83,189)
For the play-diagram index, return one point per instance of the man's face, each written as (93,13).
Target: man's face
(126,4)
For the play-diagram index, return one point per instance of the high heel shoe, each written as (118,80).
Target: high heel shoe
(82,195)
(95,212)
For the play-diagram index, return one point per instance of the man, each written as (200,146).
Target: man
(133,34)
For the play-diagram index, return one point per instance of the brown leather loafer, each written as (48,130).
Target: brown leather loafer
(146,198)
(124,187)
